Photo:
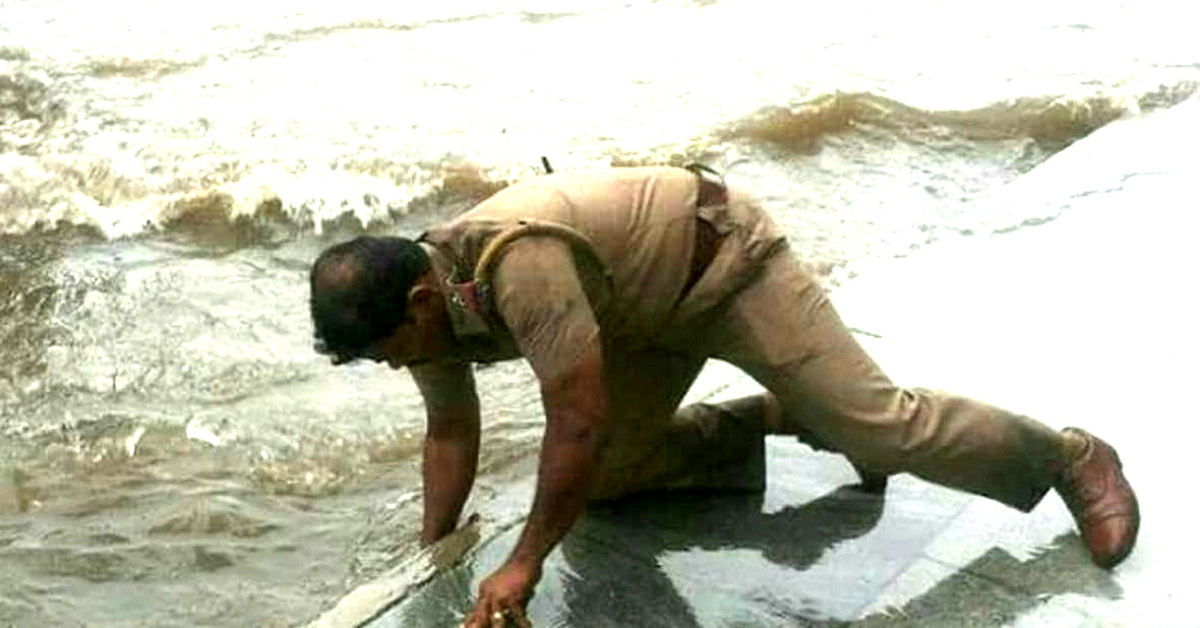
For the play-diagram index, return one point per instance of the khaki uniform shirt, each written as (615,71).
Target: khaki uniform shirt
(550,301)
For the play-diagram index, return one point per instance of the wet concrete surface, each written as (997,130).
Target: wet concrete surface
(1049,321)
(813,550)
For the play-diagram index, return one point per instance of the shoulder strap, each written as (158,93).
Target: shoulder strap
(472,300)
(526,227)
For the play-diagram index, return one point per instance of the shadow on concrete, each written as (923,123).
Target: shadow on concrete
(670,559)
(614,553)
(609,570)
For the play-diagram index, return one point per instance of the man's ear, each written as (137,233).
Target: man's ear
(421,298)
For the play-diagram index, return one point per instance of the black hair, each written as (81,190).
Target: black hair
(359,292)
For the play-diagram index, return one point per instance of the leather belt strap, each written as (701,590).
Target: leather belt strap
(711,192)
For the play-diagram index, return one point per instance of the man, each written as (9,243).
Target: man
(616,286)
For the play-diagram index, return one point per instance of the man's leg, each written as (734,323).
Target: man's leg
(654,444)
(784,332)
(702,446)
(762,413)
(644,389)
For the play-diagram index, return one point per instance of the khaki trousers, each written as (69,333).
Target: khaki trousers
(783,331)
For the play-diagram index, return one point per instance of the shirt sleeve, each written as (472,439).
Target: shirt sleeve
(539,295)
(444,385)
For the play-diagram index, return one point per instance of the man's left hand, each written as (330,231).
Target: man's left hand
(502,597)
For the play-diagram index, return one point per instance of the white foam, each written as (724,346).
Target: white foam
(132,441)
(41,193)
(317,195)
(202,434)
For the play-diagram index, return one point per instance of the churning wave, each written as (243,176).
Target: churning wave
(1052,121)
(46,183)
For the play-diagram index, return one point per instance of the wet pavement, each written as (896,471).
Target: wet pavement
(1052,321)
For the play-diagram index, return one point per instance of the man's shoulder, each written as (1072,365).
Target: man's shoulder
(520,200)
(614,177)
(557,188)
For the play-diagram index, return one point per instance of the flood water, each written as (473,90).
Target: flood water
(171,451)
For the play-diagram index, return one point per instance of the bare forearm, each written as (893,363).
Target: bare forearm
(564,480)
(449,472)
(577,411)
(451,447)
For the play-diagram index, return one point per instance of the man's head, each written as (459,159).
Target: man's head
(377,298)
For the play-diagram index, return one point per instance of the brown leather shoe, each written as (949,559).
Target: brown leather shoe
(1101,500)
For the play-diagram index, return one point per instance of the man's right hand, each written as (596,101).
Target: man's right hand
(503,596)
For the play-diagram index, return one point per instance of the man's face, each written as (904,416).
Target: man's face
(406,346)
(424,336)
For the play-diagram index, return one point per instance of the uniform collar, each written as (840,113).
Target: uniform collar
(466,319)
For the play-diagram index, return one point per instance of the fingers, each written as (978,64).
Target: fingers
(511,617)
(498,618)
(520,619)
(478,617)
(507,617)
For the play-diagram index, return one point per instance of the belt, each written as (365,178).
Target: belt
(711,192)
